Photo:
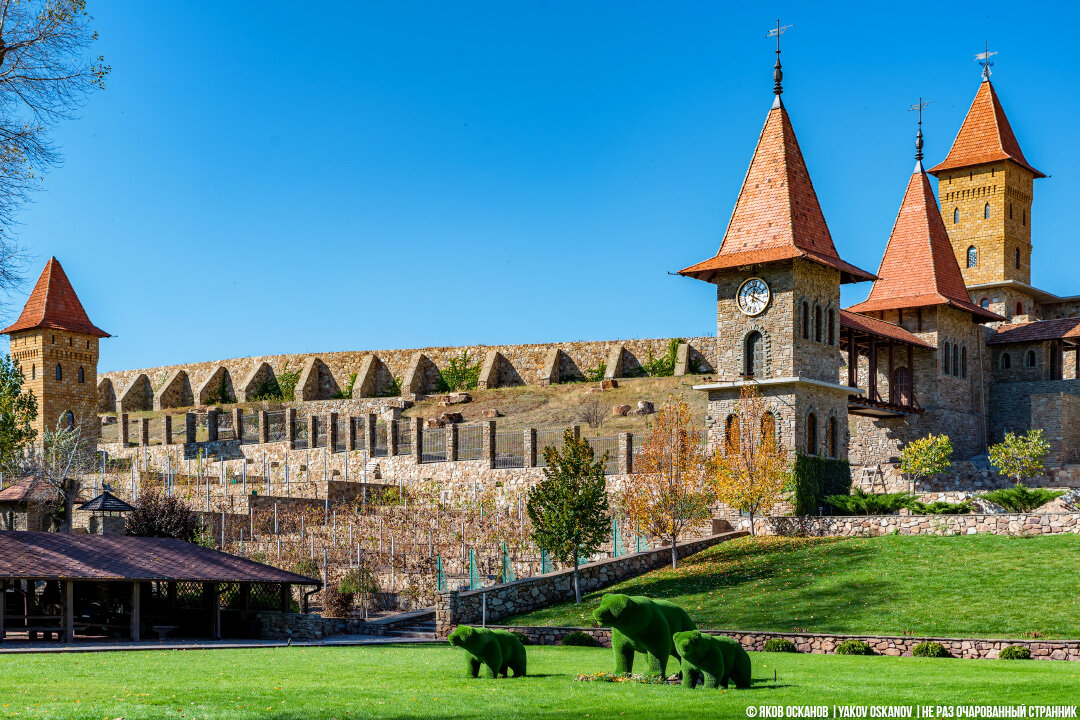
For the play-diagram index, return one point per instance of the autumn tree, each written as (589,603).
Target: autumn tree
(62,462)
(569,508)
(670,489)
(1020,456)
(925,457)
(751,471)
(17,410)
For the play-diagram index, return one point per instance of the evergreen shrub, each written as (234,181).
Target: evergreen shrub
(853,647)
(780,645)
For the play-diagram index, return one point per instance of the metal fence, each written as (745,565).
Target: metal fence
(608,445)
(358,432)
(275,426)
(509,450)
(405,433)
(250,428)
(379,447)
(300,433)
(433,445)
(320,431)
(546,438)
(340,434)
(470,442)
(226,428)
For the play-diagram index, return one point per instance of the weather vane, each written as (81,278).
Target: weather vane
(919,106)
(778,72)
(984,60)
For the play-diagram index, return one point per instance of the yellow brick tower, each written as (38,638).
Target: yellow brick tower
(985,186)
(57,348)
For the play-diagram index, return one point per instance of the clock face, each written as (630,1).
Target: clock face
(753,296)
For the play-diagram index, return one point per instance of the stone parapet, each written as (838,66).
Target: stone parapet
(874,525)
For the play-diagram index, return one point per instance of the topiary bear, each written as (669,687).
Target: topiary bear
(715,658)
(641,624)
(497,650)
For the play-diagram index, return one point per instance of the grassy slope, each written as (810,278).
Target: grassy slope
(425,682)
(964,586)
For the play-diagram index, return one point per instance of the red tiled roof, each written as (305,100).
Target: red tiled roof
(874,326)
(1059,329)
(985,136)
(919,267)
(777,215)
(54,304)
(65,556)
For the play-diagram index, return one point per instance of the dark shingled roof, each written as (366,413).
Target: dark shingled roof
(1060,329)
(64,556)
(874,326)
(106,502)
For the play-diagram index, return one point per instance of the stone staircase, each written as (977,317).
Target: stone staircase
(412,625)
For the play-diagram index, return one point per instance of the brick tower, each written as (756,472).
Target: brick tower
(57,348)
(778,277)
(986,188)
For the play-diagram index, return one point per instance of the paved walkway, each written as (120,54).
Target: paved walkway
(12,646)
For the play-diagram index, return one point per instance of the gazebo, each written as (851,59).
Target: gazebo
(107,518)
(62,585)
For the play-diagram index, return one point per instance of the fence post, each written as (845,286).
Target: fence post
(212,425)
(487,443)
(189,428)
(290,428)
(332,435)
(264,426)
(452,442)
(416,427)
(238,424)
(124,433)
(167,429)
(530,447)
(391,437)
(624,454)
(144,431)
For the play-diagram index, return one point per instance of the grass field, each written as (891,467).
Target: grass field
(425,681)
(963,586)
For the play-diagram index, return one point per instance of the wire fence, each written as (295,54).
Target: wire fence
(379,448)
(433,445)
(320,431)
(405,434)
(226,426)
(250,428)
(509,450)
(275,426)
(470,442)
(300,437)
(358,432)
(340,435)
(546,438)
(605,448)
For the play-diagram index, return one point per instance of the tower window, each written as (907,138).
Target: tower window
(811,434)
(963,362)
(69,420)
(1029,359)
(82,375)
(986,211)
(33,372)
(830,437)
(59,372)
(1016,258)
(752,360)
(945,360)
(53,338)
(956,360)
(985,303)
(1019,308)
(805,320)
(972,257)
(1023,220)
(832,327)
(1010,211)
(817,323)
(956,215)
(1006,361)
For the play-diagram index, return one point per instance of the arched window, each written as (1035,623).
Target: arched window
(33,372)
(985,303)
(956,360)
(963,362)
(768,428)
(1006,361)
(731,434)
(817,323)
(805,320)
(986,211)
(956,215)
(1019,308)
(59,372)
(811,434)
(753,362)
(1010,211)
(945,360)
(973,256)
(1016,258)
(830,437)
(69,420)
(1029,359)
(1023,220)
(832,327)
(82,375)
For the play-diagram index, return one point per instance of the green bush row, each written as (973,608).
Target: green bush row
(816,480)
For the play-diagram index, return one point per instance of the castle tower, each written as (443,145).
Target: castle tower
(986,188)
(777,277)
(57,348)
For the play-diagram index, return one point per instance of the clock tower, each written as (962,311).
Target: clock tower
(777,276)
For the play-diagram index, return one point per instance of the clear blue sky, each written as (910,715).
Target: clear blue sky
(277,177)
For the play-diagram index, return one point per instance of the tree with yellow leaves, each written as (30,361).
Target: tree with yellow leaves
(670,489)
(751,471)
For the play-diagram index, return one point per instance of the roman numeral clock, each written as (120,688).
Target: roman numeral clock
(753,296)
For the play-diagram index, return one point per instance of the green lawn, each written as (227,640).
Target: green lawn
(963,586)
(425,681)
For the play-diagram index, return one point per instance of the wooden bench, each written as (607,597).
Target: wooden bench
(163,630)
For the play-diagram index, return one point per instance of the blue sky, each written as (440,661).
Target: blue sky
(270,177)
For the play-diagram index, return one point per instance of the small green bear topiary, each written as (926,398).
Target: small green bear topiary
(930,649)
(579,639)
(1015,652)
(497,650)
(853,647)
(642,624)
(780,645)
(715,659)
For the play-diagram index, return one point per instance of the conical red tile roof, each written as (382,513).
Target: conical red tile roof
(919,268)
(777,215)
(985,136)
(54,304)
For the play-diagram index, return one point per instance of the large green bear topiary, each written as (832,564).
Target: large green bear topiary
(641,624)
(716,659)
(497,650)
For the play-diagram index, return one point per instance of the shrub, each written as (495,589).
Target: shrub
(525,639)
(597,373)
(358,581)
(939,507)
(853,647)
(1015,652)
(307,568)
(460,375)
(780,645)
(1020,498)
(815,479)
(662,366)
(336,603)
(579,639)
(286,380)
(156,515)
(929,649)
(860,502)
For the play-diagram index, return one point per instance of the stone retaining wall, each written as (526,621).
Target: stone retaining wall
(874,525)
(454,608)
(819,643)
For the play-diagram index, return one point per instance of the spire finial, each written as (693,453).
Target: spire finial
(778,70)
(919,107)
(984,60)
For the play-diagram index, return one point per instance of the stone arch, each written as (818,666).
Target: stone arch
(496,371)
(374,379)
(175,392)
(106,396)
(763,360)
(218,388)
(260,383)
(316,381)
(139,395)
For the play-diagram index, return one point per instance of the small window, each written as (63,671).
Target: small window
(832,327)
(817,323)
(963,362)
(87,344)
(956,360)
(59,372)
(69,420)
(731,434)
(1016,258)
(831,440)
(945,360)
(1023,220)
(985,303)
(1006,361)
(986,211)
(811,434)
(1029,359)
(956,215)
(82,375)
(69,342)
(768,428)
(33,372)
(53,337)
(1010,211)
(1019,308)
(973,257)
(752,360)
(806,320)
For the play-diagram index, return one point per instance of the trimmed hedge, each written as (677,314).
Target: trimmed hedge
(929,649)
(779,645)
(579,639)
(1015,652)
(853,647)
(817,478)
